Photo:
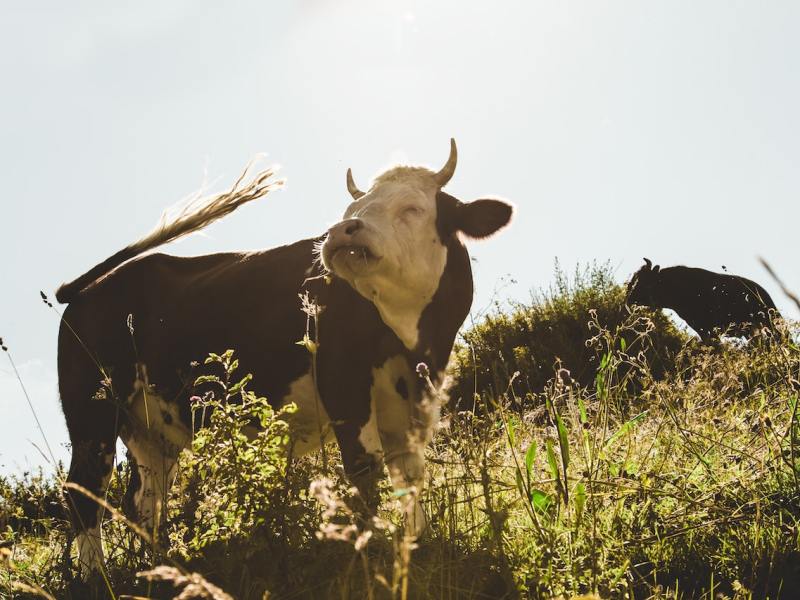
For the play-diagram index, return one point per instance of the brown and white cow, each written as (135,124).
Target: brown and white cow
(398,287)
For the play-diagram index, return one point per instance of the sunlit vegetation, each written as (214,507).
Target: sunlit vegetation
(605,453)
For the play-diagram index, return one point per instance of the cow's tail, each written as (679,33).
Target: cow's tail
(189,216)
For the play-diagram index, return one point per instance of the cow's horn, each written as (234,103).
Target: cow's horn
(648,263)
(351,186)
(443,176)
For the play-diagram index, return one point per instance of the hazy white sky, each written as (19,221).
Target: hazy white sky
(620,130)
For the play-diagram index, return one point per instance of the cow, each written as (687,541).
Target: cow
(711,303)
(394,284)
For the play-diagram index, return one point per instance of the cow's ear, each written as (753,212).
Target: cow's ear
(482,218)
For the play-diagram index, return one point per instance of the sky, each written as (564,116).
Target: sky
(619,129)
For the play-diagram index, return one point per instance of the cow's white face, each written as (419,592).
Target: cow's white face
(389,244)
(387,247)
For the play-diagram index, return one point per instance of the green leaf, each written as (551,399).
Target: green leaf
(625,428)
(582,410)
(520,483)
(238,387)
(563,443)
(530,457)
(623,344)
(580,501)
(540,500)
(308,343)
(207,379)
(599,383)
(512,435)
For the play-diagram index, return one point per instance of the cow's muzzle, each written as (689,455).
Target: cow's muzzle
(348,245)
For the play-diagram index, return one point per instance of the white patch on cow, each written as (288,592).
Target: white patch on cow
(368,437)
(156,466)
(90,552)
(405,426)
(155,435)
(395,258)
(155,419)
(310,425)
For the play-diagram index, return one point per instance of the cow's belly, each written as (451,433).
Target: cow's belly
(155,434)
(310,425)
(394,395)
(154,426)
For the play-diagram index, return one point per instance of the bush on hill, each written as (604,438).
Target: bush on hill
(552,332)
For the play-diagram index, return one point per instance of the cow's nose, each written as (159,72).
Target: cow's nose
(346,228)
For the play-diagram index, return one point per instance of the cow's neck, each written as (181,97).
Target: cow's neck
(666,296)
(402,317)
(445,313)
(401,308)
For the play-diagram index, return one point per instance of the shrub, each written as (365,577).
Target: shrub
(238,497)
(30,503)
(551,332)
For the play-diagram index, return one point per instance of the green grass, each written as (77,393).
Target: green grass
(655,469)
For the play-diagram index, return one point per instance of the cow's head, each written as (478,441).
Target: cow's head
(391,244)
(643,284)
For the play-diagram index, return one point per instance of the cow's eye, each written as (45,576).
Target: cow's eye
(411,212)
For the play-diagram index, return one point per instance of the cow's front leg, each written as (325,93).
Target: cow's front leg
(406,463)
(362,457)
(406,421)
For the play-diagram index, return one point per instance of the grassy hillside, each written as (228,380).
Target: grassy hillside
(654,468)
(550,334)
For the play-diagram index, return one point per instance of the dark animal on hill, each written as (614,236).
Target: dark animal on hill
(711,303)
(394,281)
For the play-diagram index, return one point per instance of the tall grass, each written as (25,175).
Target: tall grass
(646,478)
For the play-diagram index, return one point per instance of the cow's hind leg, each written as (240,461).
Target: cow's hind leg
(154,435)
(152,475)
(93,436)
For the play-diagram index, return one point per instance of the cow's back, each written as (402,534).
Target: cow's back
(167,312)
(707,300)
